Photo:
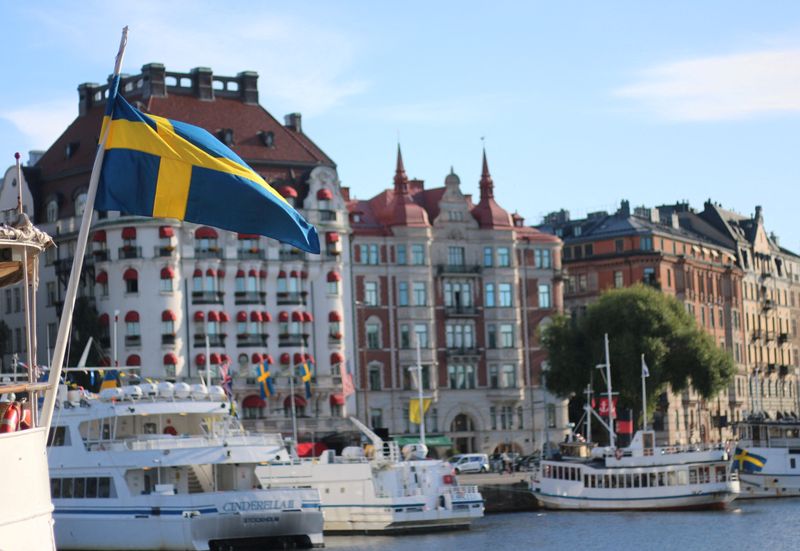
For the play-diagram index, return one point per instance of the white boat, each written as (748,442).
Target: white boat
(166,467)
(768,457)
(642,476)
(380,491)
(26,521)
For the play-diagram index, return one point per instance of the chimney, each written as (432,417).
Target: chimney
(86,93)
(293,121)
(759,215)
(624,209)
(34,155)
(248,86)
(202,83)
(155,80)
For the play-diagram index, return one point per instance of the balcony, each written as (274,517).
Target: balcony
(291,254)
(167,339)
(207,297)
(289,339)
(130,252)
(501,394)
(211,252)
(783,338)
(460,311)
(296,298)
(100,255)
(217,339)
(335,340)
(783,370)
(251,340)
(250,297)
(164,252)
(133,340)
(769,304)
(462,351)
(250,254)
(458,269)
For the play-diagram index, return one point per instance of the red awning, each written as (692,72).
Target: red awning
(99,236)
(166,231)
(287,191)
(225,358)
(256,358)
(129,232)
(205,233)
(262,274)
(324,194)
(285,358)
(104,319)
(133,315)
(199,316)
(334,276)
(130,274)
(133,359)
(249,236)
(255,316)
(309,357)
(297,316)
(239,273)
(336,358)
(170,359)
(307,317)
(168,315)
(215,359)
(310,449)
(332,237)
(213,316)
(197,272)
(211,273)
(334,316)
(200,359)
(267,359)
(252,273)
(283,316)
(102,278)
(254,401)
(299,401)
(337,399)
(220,273)
(223,316)
(167,273)
(265,316)
(241,316)
(281,274)
(303,275)
(294,273)
(298,358)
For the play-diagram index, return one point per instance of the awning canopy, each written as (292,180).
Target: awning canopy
(334,276)
(223,316)
(430,440)
(241,316)
(167,273)
(254,401)
(102,278)
(168,315)
(266,316)
(255,316)
(337,399)
(133,360)
(131,316)
(166,231)
(256,358)
(200,359)
(297,316)
(307,317)
(199,316)
(332,237)
(285,358)
(99,236)
(104,319)
(287,191)
(130,274)
(283,316)
(129,232)
(334,316)
(206,233)
(213,316)
(215,358)
(170,359)
(248,236)
(336,358)
(299,401)
(325,194)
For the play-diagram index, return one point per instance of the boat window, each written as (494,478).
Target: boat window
(653,480)
(606,481)
(150,428)
(682,478)
(792,463)
(58,436)
(55,487)
(719,472)
(586,481)
(661,481)
(104,487)
(644,480)
(91,487)
(629,480)
(671,478)
(66,488)
(78,487)
(692,476)
(635,480)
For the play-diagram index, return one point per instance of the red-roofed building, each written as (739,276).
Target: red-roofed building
(468,283)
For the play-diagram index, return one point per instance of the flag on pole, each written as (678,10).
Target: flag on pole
(226,380)
(265,382)
(307,379)
(162,168)
(645,371)
(413,409)
(110,379)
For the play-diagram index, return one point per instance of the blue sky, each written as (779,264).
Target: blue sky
(581,103)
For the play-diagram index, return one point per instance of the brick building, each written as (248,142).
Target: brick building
(469,283)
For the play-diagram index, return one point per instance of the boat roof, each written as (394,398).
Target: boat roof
(17,236)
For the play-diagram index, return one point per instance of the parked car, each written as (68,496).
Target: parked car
(470,463)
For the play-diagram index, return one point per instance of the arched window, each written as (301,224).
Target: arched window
(333,282)
(167,275)
(80,203)
(281,281)
(52,210)
(462,423)
(239,280)
(131,277)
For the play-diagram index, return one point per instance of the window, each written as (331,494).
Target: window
(508,376)
(461,376)
(421,333)
(491,336)
(588,250)
(489,299)
(371,293)
(401,255)
(374,377)
(80,203)
(131,281)
(420,293)
(455,256)
(618,280)
(405,336)
(17,299)
(402,293)
(52,211)
(503,257)
(418,255)
(8,301)
(506,335)
(544,295)
(459,336)
(376,417)
(504,295)
(373,255)
(551,416)
(333,287)
(646,243)
(650,276)
(488,257)
(457,295)
(51,295)
(493,417)
(373,336)
(542,258)
(494,379)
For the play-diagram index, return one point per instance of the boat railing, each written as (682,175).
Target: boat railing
(689,448)
(162,442)
(389,452)
(467,490)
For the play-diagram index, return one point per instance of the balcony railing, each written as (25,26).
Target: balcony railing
(163,252)
(250,297)
(291,254)
(217,339)
(292,339)
(133,340)
(462,351)
(460,310)
(327,215)
(769,304)
(251,340)
(130,252)
(460,269)
(292,298)
(250,254)
(207,297)
(783,338)
(211,252)
(167,339)
(100,255)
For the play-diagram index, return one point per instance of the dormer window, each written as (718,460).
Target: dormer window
(71,149)
(267,138)
(52,210)
(80,203)
(226,136)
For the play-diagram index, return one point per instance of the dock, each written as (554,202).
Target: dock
(503,493)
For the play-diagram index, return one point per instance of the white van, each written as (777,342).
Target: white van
(470,463)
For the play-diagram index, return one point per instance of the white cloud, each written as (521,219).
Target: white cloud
(42,123)
(737,86)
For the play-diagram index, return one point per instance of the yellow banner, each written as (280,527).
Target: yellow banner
(413,409)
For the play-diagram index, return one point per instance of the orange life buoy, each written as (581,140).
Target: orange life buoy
(25,421)
(10,421)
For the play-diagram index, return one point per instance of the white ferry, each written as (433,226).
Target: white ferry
(26,522)
(768,457)
(380,491)
(163,466)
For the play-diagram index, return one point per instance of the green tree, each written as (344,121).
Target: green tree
(639,320)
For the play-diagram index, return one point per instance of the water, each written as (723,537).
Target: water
(765,525)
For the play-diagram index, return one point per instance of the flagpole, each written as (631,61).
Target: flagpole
(294,411)
(27,297)
(419,393)
(644,396)
(65,323)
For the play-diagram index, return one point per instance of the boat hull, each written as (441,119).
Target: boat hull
(769,485)
(388,519)
(187,522)
(26,522)
(685,502)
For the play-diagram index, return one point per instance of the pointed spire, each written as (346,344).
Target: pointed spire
(487,185)
(400,178)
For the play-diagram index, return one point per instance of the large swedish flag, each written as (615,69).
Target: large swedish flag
(748,462)
(168,169)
